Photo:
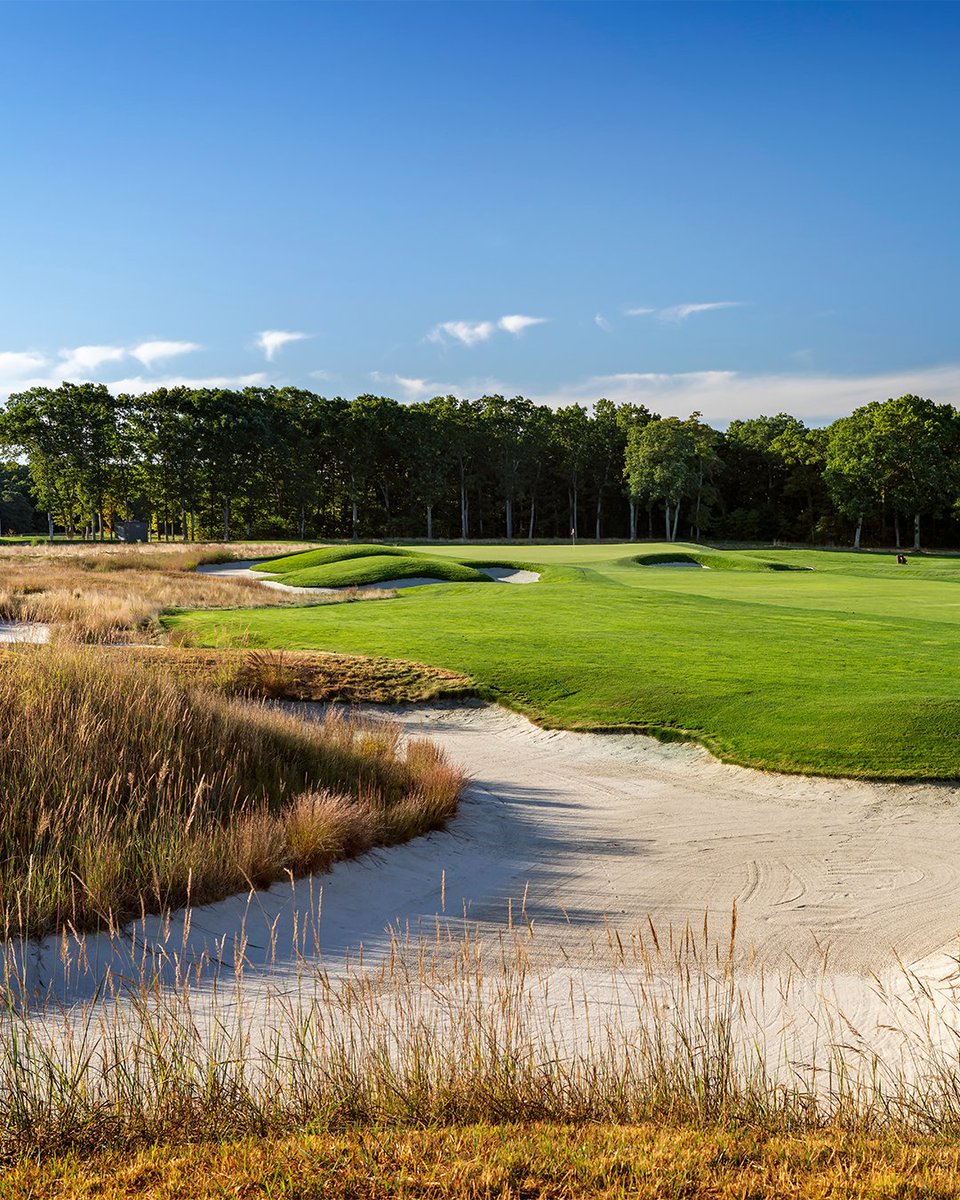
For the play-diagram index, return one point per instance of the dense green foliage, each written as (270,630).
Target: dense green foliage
(269,462)
(845,667)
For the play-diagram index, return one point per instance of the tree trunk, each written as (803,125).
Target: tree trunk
(50,527)
(464,510)
(676,518)
(429,522)
(916,531)
(533,518)
(226,520)
(599,508)
(353,520)
(856,536)
(183,520)
(666,515)
(193,526)
(508,506)
(633,519)
(303,522)
(896,529)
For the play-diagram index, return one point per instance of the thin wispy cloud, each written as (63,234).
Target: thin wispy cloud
(679,312)
(141,383)
(153,352)
(15,364)
(601,322)
(272,340)
(471,333)
(83,362)
(517,323)
(410,389)
(722,396)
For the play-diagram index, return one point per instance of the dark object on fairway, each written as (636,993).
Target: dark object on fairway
(132,531)
(902,560)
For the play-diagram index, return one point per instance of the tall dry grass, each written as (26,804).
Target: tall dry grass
(125,789)
(115,594)
(454,1032)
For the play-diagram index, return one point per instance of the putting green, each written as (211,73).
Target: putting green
(845,664)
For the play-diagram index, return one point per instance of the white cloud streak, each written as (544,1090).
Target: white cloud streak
(679,312)
(153,352)
(15,364)
(517,323)
(723,396)
(272,340)
(601,322)
(140,383)
(83,362)
(471,333)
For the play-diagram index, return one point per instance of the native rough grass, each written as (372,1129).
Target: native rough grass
(116,594)
(127,790)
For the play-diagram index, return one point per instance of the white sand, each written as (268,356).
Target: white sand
(600,829)
(24,631)
(569,837)
(510,575)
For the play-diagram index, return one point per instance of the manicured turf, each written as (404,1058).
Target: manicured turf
(357,566)
(847,667)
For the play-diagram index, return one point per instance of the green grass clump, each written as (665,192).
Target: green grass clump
(377,568)
(125,789)
(831,663)
(323,556)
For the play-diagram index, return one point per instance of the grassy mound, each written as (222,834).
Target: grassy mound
(376,568)
(325,555)
(125,789)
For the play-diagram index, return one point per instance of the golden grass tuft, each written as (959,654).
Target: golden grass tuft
(127,789)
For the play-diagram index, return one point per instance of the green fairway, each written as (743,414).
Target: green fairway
(843,665)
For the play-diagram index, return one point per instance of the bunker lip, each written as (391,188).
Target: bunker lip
(243,569)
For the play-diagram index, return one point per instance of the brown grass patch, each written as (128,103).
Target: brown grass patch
(115,593)
(126,789)
(499,1162)
(311,675)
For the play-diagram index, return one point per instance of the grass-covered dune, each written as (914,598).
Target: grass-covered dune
(126,789)
(845,664)
(359,566)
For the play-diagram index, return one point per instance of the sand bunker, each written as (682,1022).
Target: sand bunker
(243,569)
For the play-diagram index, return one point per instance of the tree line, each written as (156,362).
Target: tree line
(265,462)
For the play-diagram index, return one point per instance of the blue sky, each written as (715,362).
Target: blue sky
(736,208)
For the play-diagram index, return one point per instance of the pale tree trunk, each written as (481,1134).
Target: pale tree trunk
(533,519)
(464,511)
(599,508)
(353,520)
(896,529)
(676,518)
(508,508)
(183,520)
(50,527)
(916,532)
(666,517)
(633,519)
(303,522)
(429,522)
(856,536)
